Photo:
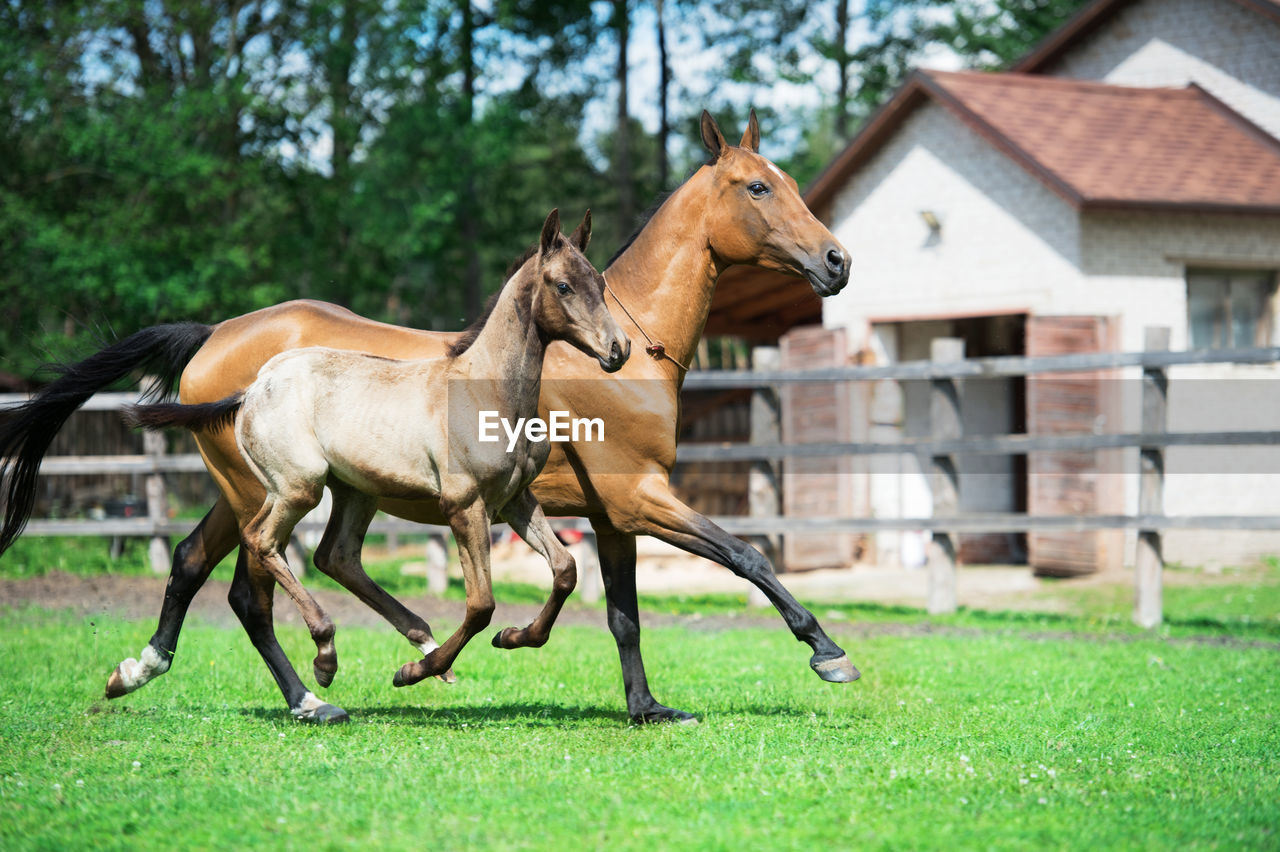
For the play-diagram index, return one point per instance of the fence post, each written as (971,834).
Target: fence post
(587,558)
(153,444)
(944,479)
(437,564)
(764,497)
(1148,606)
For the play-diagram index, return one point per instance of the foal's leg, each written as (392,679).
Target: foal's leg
(250,599)
(525,515)
(470,527)
(193,559)
(266,536)
(338,556)
(652,509)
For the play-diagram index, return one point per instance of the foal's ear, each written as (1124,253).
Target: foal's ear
(550,232)
(751,138)
(582,234)
(711,136)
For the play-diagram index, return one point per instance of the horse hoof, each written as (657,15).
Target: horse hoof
(662,715)
(115,685)
(405,675)
(448,677)
(327,714)
(324,676)
(838,670)
(502,639)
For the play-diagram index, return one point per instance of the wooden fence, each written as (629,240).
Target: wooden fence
(946,441)
(938,453)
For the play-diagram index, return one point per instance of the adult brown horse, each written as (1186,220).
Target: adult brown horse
(738,208)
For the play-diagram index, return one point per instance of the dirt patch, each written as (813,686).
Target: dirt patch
(138,598)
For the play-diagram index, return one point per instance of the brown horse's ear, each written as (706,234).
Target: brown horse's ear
(751,138)
(550,232)
(711,136)
(582,234)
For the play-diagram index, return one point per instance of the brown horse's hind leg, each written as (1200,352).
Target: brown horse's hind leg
(471,529)
(193,559)
(339,557)
(266,537)
(525,515)
(656,511)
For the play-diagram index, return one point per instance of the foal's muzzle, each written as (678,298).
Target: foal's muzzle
(618,355)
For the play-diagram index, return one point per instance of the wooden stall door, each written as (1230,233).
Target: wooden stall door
(1072,483)
(817,412)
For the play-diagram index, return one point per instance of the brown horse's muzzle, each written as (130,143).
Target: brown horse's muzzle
(828,272)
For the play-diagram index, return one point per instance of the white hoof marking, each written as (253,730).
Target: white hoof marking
(307,707)
(135,673)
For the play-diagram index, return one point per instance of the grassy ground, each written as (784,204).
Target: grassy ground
(982,741)
(1006,731)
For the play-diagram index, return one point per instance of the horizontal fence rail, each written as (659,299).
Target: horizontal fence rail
(978,445)
(1003,366)
(936,453)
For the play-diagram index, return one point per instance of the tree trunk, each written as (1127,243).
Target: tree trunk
(622,145)
(664,84)
(472,288)
(842,59)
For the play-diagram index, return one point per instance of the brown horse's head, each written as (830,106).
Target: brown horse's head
(758,217)
(568,302)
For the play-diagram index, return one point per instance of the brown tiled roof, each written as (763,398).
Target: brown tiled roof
(1096,145)
(1100,145)
(1162,147)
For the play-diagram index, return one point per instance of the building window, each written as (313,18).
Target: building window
(1229,310)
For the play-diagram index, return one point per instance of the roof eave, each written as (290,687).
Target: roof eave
(1087,20)
(1002,143)
(882,124)
(1107,205)
(1077,27)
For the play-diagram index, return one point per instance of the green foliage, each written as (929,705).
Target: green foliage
(994,35)
(983,741)
(197,160)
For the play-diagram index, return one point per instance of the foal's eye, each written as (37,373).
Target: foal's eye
(758,189)
(562,287)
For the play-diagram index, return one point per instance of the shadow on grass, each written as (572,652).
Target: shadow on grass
(523,714)
(527,715)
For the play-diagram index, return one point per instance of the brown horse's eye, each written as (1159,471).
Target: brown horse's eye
(562,287)
(758,190)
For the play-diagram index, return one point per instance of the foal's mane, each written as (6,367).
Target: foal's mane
(471,332)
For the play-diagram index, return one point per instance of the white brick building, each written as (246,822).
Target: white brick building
(1126,175)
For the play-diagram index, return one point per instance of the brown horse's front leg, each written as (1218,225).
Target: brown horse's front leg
(470,527)
(525,515)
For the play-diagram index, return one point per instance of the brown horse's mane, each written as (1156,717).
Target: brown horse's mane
(471,332)
(643,221)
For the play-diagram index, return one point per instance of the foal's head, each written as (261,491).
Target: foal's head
(568,296)
(759,218)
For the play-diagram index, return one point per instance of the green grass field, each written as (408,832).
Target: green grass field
(1000,730)
(980,741)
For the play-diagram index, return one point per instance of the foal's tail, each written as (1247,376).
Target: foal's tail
(28,429)
(205,415)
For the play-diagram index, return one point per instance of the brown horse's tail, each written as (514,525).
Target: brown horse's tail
(206,415)
(27,430)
